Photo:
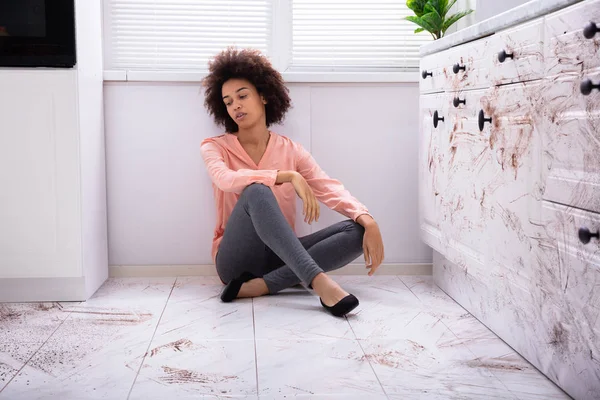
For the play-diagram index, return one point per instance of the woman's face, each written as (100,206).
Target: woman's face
(244,104)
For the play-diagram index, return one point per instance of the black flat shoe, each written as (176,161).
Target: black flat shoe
(343,307)
(231,290)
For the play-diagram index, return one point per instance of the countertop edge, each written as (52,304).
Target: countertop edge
(514,16)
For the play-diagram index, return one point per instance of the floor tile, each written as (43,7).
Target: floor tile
(187,368)
(386,306)
(430,362)
(518,375)
(419,342)
(326,397)
(296,314)
(290,367)
(24,327)
(90,355)
(195,312)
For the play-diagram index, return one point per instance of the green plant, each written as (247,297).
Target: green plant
(430,15)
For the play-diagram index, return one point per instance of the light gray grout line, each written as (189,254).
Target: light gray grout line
(35,352)
(151,339)
(255,350)
(366,358)
(404,283)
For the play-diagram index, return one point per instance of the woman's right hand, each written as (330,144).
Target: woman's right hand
(311,210)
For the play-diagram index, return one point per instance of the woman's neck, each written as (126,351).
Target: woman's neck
(254,136)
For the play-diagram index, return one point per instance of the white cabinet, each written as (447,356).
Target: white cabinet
(39,175)
(53,225)
(512,179)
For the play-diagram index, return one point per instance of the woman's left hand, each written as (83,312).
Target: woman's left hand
(373,248)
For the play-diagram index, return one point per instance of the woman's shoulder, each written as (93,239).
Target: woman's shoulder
(287,141)
(219,139)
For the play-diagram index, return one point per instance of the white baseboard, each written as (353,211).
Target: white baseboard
(123,271)
(24,290)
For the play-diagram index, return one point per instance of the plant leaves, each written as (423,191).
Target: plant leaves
(419,30)
(421,22)
(418,6)
(454,18)
(434,18)
(439,6)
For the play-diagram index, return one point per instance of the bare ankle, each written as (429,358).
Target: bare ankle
(254,288)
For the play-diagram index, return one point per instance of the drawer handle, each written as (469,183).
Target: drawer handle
(483,120)
(590,30)
(458,102)
(457,67)
(503,55)
(436,119)
(425,74)
(585,235)
(587,86)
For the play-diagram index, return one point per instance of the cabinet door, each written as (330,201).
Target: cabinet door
(567,50)
(572,142)
(433,128)
(510,190)
(465,168)
(39,175)
(568,272)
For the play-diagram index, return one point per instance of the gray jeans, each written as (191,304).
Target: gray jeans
(258,239)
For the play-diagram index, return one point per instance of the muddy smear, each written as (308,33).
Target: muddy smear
(9,315)
(414,355)
(183,376)
(494,364)
(124,318)
(573,53)
(178,345)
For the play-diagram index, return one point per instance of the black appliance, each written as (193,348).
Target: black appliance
(37,33)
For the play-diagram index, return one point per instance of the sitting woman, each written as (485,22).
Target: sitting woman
(256,175)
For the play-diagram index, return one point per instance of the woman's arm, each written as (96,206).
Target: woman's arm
(333,194)
(229,180)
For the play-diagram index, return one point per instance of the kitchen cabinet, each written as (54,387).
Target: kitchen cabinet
(53,213)
(510,184)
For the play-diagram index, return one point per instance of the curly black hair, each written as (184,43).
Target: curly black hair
(251,65)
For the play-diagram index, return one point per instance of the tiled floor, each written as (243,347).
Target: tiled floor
(173,338)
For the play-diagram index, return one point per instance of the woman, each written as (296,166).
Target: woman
(256,176)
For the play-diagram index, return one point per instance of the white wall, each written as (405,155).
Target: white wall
(489,8)
(160,204)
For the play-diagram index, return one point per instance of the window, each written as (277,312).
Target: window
(341,34)
(181,34)
(298,35)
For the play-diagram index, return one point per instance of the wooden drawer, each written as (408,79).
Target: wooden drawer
(517,54)
(431,164)
(572,143)
(566,48)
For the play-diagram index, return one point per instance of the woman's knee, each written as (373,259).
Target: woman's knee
(257,190)
(356,232)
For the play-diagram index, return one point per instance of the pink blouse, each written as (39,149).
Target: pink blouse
(231,169)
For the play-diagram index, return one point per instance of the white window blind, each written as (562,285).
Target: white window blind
(338,34)
(181,34)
